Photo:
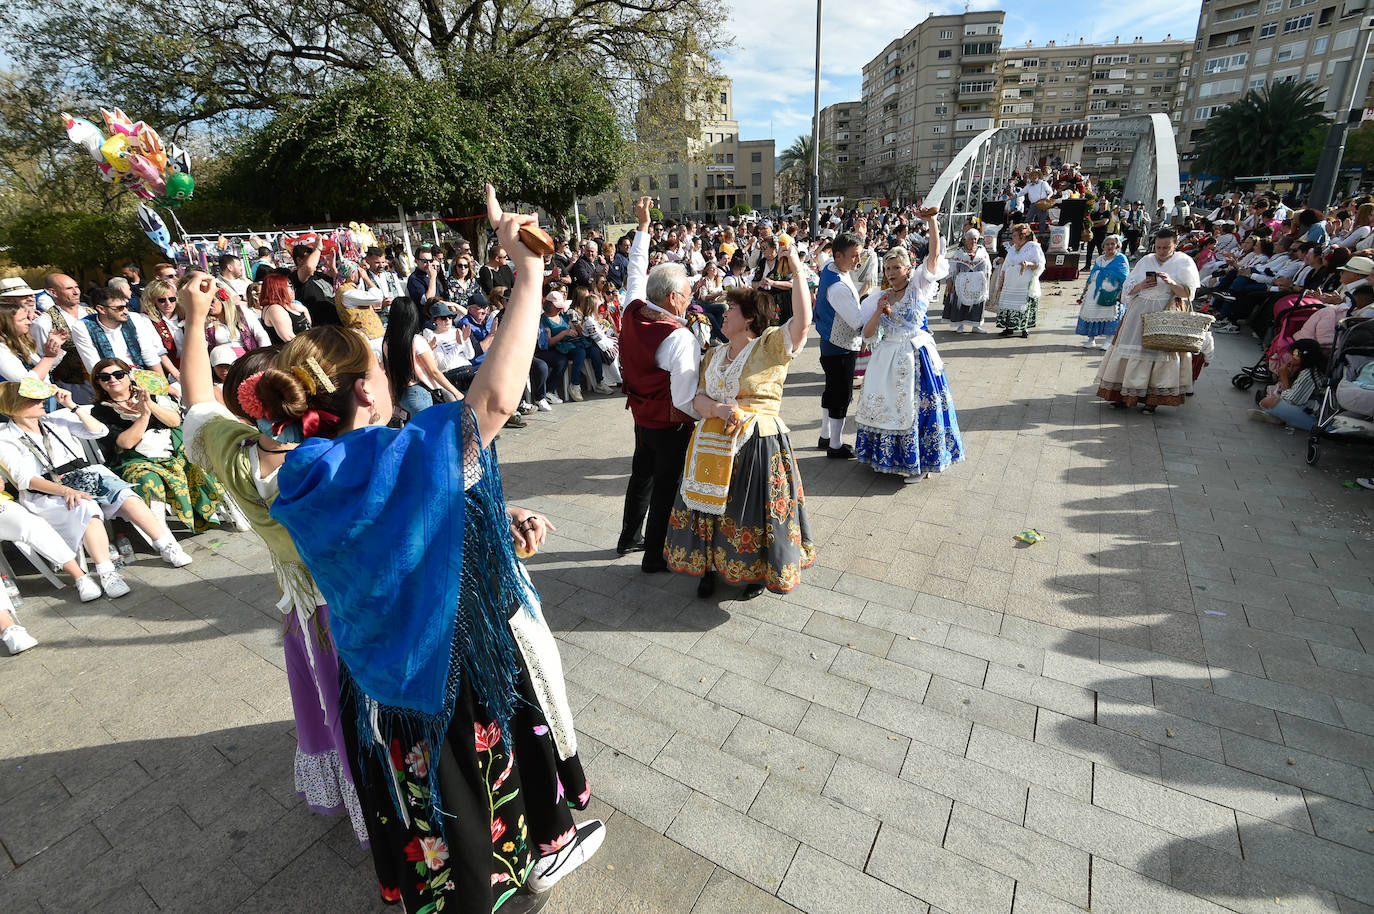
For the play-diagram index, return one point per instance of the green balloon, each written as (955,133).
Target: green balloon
(180,186)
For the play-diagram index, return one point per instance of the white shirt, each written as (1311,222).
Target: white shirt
(1037,190)
(843,299)
(450,352)
(63,446)
(1355,237)
(148,341)
(42,326)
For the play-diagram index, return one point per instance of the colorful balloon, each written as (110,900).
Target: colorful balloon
(178,159)
(147,173)
(150,145)
(84,134)
(117,121)
(115,149)
(178,191)
(155,229)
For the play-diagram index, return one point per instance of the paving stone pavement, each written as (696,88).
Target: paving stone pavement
(1167,705)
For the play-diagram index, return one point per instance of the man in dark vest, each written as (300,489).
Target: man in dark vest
(658,359)
(839,319)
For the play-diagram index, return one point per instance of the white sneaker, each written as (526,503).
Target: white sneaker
(175,556)
(528,408)
(979,328)
(87,589)
(575,395)
(553,399)
(1089,342)
(584,842)
(603,388)
(18,640)
(112,582)
(962,328)
(1102,344)
(543,406)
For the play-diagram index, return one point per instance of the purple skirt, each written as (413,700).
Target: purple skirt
(322,775)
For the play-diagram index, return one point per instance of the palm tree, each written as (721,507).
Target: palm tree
(797,159)
(1257,133)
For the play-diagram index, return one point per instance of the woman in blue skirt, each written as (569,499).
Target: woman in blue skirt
(1102,308)
(906,419)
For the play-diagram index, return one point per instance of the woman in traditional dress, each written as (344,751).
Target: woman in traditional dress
(970,270)
(452,694)
(144,446)
(1018,297)
(1130,373)
(159,302)
(740,513)
(907,424)
(238,446)
(1101,312)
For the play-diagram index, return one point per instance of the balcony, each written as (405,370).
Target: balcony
(977,90)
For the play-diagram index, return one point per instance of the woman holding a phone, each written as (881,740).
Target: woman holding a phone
(1130,374)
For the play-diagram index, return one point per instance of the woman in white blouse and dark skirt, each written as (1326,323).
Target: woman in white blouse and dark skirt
(1018,299)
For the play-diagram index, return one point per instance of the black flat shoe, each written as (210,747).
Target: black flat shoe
(706,588)
(625,547)
(823,444)
(843,452)
(1007,332)
(1025,334)
(753,590)
(653,567)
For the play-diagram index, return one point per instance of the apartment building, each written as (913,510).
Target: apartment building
(924,96)
(842,134)
(1058,84)
(712,174)
(1249,44)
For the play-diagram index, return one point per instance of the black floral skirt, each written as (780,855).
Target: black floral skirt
(505,798)
(763,534)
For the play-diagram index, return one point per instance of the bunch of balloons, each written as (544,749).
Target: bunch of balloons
(131,155)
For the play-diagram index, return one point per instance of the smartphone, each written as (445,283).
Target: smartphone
(1150,274)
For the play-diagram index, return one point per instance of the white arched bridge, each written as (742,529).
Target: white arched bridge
(980,171)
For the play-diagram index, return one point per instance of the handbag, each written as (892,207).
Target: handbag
(83,481)
(1174,329)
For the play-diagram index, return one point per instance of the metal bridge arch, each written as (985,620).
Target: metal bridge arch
(980,170)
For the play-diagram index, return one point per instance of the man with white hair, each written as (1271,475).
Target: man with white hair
(583,269)
(658,359)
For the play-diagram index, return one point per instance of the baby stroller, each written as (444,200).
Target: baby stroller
(1292,312)
(1344,407)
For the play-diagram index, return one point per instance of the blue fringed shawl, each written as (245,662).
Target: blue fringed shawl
(379,516)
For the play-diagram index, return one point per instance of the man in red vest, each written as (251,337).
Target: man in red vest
(658,359)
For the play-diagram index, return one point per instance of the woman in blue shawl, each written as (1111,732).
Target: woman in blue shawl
(452,693)
(1102,308)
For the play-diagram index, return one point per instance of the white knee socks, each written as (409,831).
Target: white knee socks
(825,425)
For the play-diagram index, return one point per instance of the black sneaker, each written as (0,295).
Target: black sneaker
(843,452)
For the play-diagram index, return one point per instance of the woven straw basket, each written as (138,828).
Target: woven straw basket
(1173,330)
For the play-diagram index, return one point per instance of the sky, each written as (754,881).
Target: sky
(774,49)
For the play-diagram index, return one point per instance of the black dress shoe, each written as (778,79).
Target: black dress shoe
(625,547)
(1025,334)
(1007,332)
(843,452)
(752,591)
(654,567)
(823,444)
(707,587)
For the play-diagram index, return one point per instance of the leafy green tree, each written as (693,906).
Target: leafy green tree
(796,159)
(543,137)
(1254,135)
(77,242)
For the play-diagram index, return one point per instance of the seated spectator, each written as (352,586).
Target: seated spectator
(19,357)
(113,331)
(481,320)
(566,341)
(143,445)
(709,293)
(19,525)
(409,362)
(1290,401)
(163,312)
(452,346)
(56,481)
(231,324)
(282,316)
(604,346)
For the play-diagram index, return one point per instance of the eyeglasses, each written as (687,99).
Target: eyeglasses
(123,307)
(168,298)
(424,259)
(117,375)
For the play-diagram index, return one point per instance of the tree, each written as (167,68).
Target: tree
(1359,148)
(797,160)
(1254,135)
(384,139)
(79,242)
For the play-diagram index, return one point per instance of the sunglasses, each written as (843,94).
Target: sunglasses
(169,298)
(118,375)
(123,307)
(424,259)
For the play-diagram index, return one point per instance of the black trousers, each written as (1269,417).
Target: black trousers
(839,383)
(655,475)
(1133,241)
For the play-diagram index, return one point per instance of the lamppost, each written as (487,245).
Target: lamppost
(1329,166)
(816,135)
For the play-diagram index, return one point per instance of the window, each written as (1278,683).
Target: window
(1287,76)
(1273,6)
(756,201)
(1263,56)
(1256,82)
(943,53)
(942,74)
(1344,40)
(729,158)
(1319,45)
(1294,50)
(672,181)
(756,179)
(1294,4)
(1222,64)
(946,35)
(978,47)
(938,129)
(1297,23)
(653,183)
(942,109)
(1269,30)
(1110,59)
(1314,70)
(1203,114)
(634,185)
(756,157)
